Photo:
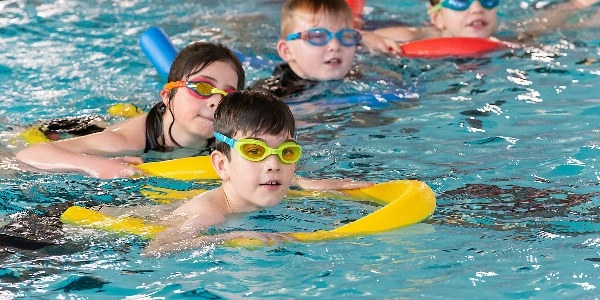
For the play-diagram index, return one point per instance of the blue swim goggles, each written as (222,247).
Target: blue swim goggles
(321,36)
(461,5)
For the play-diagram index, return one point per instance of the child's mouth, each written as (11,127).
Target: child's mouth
(478,23)
(333,61)
(271,183)
(208,116)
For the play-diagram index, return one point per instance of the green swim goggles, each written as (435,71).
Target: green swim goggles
(257,150)
(461,5)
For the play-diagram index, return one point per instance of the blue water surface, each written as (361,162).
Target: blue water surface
(509,142)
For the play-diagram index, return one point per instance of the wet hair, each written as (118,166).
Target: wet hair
(434,2)
(252,113)
(338,9)
(75,126)
(191,59)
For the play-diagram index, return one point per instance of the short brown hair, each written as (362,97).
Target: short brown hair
(338,9)
(252,112)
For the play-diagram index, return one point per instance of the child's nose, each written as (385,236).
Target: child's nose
(476,6)
(213,101)
(334,44)
(273,163)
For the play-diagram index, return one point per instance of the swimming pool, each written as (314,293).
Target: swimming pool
(510,144)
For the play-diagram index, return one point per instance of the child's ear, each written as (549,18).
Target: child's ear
(436,20)
(164,95)
(284,50)
(219,162)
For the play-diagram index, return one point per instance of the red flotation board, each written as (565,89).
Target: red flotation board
(450,46)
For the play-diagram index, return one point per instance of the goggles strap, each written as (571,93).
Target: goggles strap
(225,139)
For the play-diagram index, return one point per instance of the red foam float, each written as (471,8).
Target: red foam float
(451,46)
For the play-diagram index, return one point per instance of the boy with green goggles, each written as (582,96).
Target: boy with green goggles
(249,127)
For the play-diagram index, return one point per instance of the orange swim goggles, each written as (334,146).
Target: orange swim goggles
(202,88)
(257,150)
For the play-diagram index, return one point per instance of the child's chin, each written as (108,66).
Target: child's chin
(329,77)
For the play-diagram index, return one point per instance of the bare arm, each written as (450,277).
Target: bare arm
(264,238)
(406,33)
(388,39)
(329,184)
(379,43)
(85,154)
(554,17)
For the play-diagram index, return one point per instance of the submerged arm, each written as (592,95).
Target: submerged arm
(555,17)
(329,184)
(157,249)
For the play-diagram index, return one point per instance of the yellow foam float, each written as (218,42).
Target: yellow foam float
(407,202)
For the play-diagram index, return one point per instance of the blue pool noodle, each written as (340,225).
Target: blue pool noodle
(160,51)
(158,48)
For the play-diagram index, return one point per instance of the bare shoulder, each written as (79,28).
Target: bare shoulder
(204,205)
(133,130)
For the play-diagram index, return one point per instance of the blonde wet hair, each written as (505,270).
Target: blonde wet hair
(293,9)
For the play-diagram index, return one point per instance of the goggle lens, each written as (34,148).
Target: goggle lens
(206,89)
(349,37)
(252,151)
(317,37)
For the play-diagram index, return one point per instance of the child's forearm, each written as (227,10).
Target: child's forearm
(160,247)
(556,16)
(329,184)
(49,157)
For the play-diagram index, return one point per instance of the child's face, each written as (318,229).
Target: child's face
(328,62)
(475,21)
(259,184)
(193,115)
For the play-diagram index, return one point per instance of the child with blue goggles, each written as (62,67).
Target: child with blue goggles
(318,43)
(468,18)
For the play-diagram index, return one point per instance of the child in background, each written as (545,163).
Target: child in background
(468,18)
(255,157)
(317,43)
(201,74)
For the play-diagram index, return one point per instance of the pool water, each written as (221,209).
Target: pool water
(510,143)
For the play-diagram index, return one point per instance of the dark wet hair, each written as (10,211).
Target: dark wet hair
(191,59)
(252,112)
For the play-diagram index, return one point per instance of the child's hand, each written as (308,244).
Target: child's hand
(118,167)
(330,184)
(378,43)
(581,4)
